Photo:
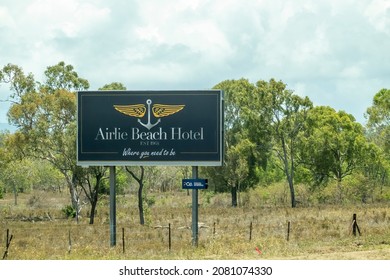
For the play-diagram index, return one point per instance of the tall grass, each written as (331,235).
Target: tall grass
(41,231)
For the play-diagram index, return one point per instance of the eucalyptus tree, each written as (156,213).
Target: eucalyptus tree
(44,114)
(284,114)
(333,146)
(378,129)
(240,162)
(91,181)
(139,178)
(262,121)
(379,120)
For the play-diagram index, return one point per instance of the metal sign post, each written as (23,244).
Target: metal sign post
(112,206)
(195,208)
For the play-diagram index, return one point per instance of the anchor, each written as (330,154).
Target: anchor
(149,125)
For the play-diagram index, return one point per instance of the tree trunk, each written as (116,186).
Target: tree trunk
(92,214)
(140,204)
(292,192)
(289,173)
(234,196)
(340,190)
(73,194)
(15,196)
(140,189)
(94,202)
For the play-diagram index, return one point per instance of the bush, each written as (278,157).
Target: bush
(69,211)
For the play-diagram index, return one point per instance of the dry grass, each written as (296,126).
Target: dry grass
(40,231)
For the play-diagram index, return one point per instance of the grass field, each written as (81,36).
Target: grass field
(41,231)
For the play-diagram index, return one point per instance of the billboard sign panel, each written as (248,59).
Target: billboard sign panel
(150,128)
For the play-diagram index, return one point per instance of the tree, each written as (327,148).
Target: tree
(45,117)
(266,119)
(284,114)
(113,86)
(18,81)
(378,130)
(140,181)
(63,76)
(379,121)
(375,166)
(240,162)
(333,145)
(90,180)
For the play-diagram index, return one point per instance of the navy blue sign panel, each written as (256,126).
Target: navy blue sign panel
(150,128)
(194,184)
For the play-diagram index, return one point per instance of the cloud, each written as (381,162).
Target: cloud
(329,50)
(69,18)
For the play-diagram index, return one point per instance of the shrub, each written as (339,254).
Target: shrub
(69,211)
(1,190)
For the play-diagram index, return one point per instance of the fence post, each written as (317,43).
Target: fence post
(250,231)
(7,244)
(169,237)
(123,240)
(355,226)
(288,230)
(69,242)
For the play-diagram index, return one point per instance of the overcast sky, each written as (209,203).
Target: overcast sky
(336,52)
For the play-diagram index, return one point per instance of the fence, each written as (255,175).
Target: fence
(54,238)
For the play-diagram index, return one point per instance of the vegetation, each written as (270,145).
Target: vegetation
(42,231)
(279,150)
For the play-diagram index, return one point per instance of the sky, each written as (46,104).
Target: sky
(335,52)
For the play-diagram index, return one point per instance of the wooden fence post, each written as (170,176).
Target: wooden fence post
(288,230)
(123,240)
(169,237)
(355,226)
(250,231)
(69,242)
(7,244)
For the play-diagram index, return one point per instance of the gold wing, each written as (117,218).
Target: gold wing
(161,110)
(136,110)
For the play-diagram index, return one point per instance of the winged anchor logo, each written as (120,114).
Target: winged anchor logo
(158,110)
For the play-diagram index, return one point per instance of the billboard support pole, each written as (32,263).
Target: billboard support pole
(112,206)
(195,208)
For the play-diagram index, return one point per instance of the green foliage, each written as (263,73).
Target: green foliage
(121,183)
(379,134)
(150,200)
(241,154)
(113,86)
(333,145)
(63,76)
(69,211)
(262,121)
(379,112)
(271,135)
(19,82)
(286,114)
(26,175)
(207,196)
(1,190)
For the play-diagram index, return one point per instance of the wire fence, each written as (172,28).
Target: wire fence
(57,237)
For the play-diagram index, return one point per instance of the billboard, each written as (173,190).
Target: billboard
(150,128)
